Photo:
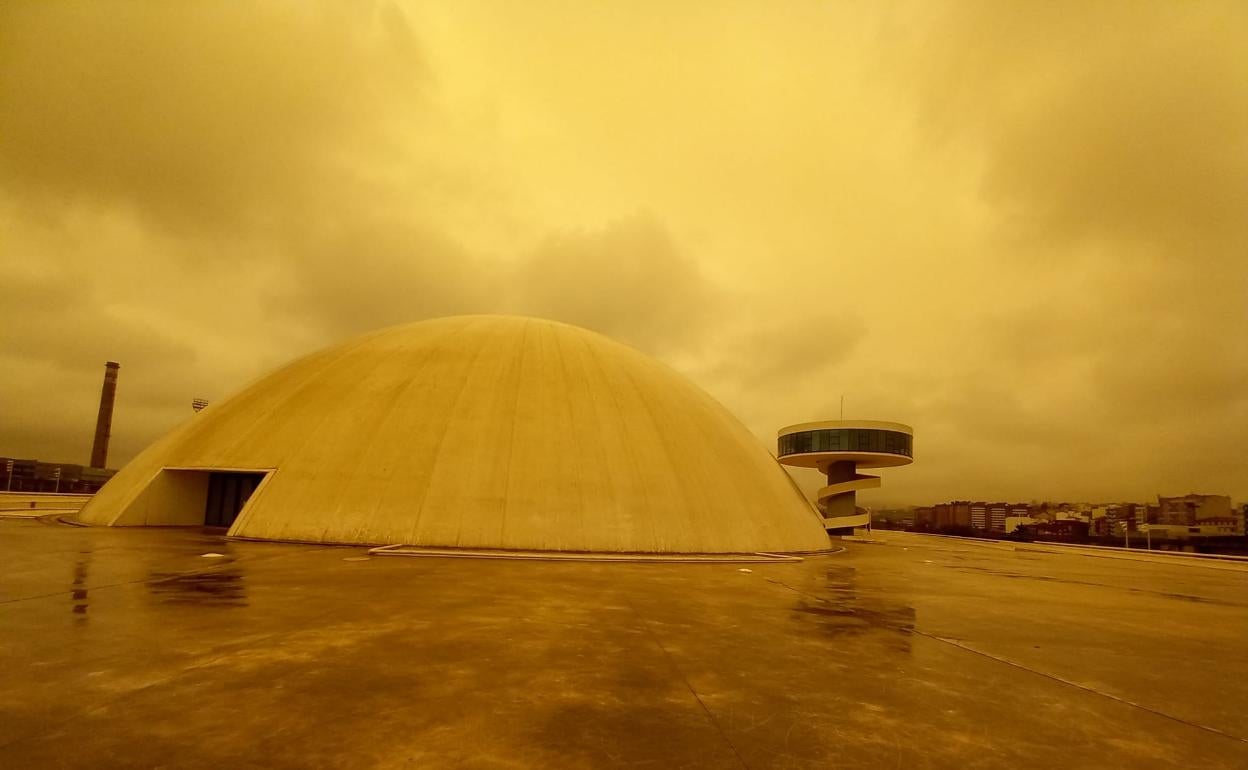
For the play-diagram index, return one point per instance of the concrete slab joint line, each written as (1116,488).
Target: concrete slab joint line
(671,661)
(964,646)
(1014,664)
(401,549)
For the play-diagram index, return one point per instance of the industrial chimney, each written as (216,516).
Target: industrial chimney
(104,422)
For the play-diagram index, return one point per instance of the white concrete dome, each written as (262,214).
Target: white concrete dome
(476,432)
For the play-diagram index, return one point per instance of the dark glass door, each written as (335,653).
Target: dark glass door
(227,494)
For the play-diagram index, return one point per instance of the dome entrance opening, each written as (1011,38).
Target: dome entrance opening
(192,497)
(227,494)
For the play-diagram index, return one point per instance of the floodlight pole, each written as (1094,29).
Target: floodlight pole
(9,467)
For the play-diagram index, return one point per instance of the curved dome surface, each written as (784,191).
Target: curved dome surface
(477,432)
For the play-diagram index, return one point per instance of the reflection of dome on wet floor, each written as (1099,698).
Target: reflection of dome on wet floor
(843,611)
(216,588)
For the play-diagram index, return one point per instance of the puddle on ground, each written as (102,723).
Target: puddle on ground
(840,609)
(215,588)
(78,595)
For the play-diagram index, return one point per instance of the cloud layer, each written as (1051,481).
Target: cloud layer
(1019,229)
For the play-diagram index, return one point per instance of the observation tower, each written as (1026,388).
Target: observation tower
(837,449)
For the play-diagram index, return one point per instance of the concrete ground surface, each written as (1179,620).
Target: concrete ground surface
(128,648)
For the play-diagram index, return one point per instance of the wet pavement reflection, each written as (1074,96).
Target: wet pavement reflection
(219,587)
(841,610)
(78,595)
(344,662)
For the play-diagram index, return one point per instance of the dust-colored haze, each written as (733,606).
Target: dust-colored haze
(1019,227)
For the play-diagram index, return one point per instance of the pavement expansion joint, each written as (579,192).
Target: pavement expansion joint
(962,645)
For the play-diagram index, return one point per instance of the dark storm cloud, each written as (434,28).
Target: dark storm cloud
(299,129)
(627,280)
(1018,227)
(204,191)
(61,327)
(166,169)
(1107,120)
(50,345)
(368,273)
(811,342)
(1113,142)
(212,117)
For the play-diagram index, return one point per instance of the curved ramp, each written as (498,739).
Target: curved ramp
(843,522)
(839,489)
(859,481)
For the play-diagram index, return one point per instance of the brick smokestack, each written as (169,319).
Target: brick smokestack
(104,423)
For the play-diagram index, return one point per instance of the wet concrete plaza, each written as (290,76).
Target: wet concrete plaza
(128,648)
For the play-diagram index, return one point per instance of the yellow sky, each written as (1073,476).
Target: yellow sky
(1019,227)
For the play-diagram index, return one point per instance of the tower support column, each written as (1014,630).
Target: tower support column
(843,504)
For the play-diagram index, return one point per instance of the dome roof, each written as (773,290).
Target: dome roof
(479,432)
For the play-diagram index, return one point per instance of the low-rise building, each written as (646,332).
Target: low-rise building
(924,517)
(1208,528)
(1012,523)
(1190,516)
(1224,526)
(1191,508)
(1063,530)
(979,517)
(954,515)
(25,475)
(997,514)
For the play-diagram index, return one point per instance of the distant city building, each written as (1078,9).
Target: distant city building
(1188,517)
(1122,517)
(979,516)
(1062,530)
(1228,527)
(960,514)
(954,515)
(997,514)
(1012,523)
(36,476)
(923,517)
(1189,509)
(1224,525)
